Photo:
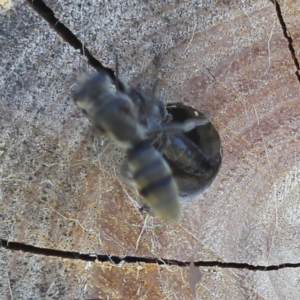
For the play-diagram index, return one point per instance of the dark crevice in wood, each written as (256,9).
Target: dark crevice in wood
(287,37)
(135,259)
(48,15)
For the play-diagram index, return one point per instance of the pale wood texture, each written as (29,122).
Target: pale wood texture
(5,5)
(60,186)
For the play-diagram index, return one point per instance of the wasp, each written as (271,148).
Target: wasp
(205,142)
(144,127)
(118,116)
(184,136)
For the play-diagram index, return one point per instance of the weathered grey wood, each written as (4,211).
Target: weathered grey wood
(59,184)
(29,276)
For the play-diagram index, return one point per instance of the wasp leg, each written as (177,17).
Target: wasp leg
(185,126)
(175,127)
(145,208)
(162,145)
(120,85)
(126,175)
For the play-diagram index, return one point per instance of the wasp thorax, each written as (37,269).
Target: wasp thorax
(113,112)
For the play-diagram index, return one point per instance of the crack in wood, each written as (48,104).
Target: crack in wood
(287,37)
(14,246)
(48,15)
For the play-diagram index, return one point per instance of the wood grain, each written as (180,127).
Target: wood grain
(60,186)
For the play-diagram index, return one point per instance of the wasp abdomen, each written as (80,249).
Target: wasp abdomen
(186,155)
(154,181)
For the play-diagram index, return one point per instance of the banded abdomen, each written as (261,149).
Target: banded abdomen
(186,155)
(153,179)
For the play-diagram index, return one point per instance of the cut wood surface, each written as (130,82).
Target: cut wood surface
(60,184)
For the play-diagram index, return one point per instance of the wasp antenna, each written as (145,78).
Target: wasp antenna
(157,62)
(119,84)
(192,123)
(117,73)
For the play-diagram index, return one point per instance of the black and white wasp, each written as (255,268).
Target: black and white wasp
(144,127)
